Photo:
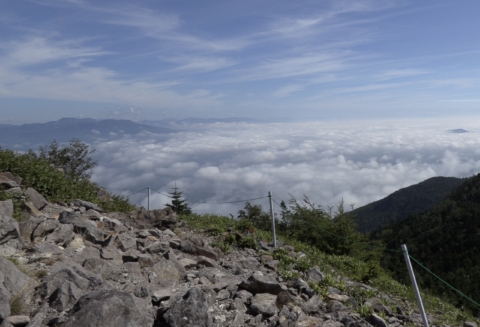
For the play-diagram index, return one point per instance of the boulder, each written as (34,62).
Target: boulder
(125,242)
(65,296)
(8,176)
(261,284)
(264,304)
(108,308)
(6,208)
(87,205)
(376,321)
(166,270)
(28,226)
(165,218)
(36,198)
(18,321)
(4,303)
(44,228)
(314,275)
(86,228)
(9,229)
(62,235)
(190,310)
(11,277)
(31,209)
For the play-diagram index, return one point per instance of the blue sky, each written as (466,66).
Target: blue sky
(258,59)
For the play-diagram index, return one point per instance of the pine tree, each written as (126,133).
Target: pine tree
(179,205)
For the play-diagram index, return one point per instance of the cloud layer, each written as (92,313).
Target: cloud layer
(358,161)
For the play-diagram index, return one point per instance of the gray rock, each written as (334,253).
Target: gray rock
(44,228)
(158,247)
(113,224)
(30,208)
(110,308)
(4,303)
(166,270)
(301,286)
(125,242)
(244,295)
(238,320)
(18,321)
(188,263)
(313,305)
(62,235)
(314,275)
(207,262)
(36,198)
(26,227)
(469,324)
(191,310)
(8,176)
(261,284)
(162,294)
(86,228)
(264,304)
(6,208)
(12,278)
(376,321)
(165,218)
(87,205)
(65,296)
(9,229)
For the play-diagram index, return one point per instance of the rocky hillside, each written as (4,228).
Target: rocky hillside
(70,264)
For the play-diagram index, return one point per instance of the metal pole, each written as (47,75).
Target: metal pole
(414,283)
(148,201)
(273,220)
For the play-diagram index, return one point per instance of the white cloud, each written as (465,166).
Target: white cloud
(359,161)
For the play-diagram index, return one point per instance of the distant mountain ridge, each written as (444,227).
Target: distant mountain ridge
(404,202)
(193,121)
(63,130)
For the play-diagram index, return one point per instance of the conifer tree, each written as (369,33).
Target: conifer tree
(179,205)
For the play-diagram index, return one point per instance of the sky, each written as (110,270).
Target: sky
(282,59)
(328,161)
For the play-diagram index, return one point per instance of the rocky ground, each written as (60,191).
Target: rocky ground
(70,264)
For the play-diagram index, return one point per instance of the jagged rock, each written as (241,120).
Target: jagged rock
(9,229)
(11,277)
(76,243)
(313,305)
(27,227)
(8,176)
(31,209)
(110,308)
(165,218)
(262,284)
(469,324)
(87,205)
(190,310)
(316,322)
(380,308)
(162,294)
(113,224)
(62,235)
(207,262)
(264,304)
(188,263)
(376,321)
(314,275)
(4,303)
(45,227)
(83,227)
(301,286)
(65,296)
(158,247)
(338,297)
(36,198)
(6,208)
(18,321)
(125,242)
(244,295)
(166,270)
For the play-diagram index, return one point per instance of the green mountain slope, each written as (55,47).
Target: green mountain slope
(446,239)
(404,202)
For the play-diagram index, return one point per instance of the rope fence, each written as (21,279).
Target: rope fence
(324,231)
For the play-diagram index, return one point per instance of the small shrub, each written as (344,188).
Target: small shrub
(248,242)
(364,310)
(41,273)
(215,231)
(303,264)
(229,239)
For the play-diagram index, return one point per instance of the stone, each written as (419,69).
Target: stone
(261,284)
(165,218)
(188,263)
(36,198)
(283,298)
(314,275)
(166,270)
(79,278)
(301,286)
(12,278)
(338,297)
(190,310)
(87,205)
(264,304)
(162,294)
(312,306)
(65,296)
(113,224)
(376,321)
(27,227)
(315,322)
(62,235)
(469,324)
(8,176)
(19,321)
(86,228)
(244,295)
(125,242)
(4,303)
(45,227)
(207,262)
(32,209)
(9,229)
(107,308)
(158,247)
(6,208)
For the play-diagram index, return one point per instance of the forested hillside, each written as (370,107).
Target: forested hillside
(404,202)
(446,239)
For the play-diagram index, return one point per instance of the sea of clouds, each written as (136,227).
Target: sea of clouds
(357,161)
